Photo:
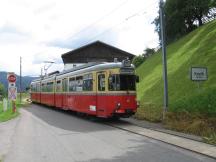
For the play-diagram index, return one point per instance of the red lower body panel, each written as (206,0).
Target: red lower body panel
(35,97)
(105,105)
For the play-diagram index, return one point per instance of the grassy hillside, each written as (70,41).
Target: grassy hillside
(196,49)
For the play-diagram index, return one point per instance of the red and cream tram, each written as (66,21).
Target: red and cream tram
(100,89)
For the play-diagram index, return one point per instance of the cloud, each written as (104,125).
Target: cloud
(86,36)
(43,30)
(7,28)
(11,34)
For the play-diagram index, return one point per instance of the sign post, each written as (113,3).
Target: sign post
(199,74)
(5,104)
(12,90)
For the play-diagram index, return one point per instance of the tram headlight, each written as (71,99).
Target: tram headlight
(118,106)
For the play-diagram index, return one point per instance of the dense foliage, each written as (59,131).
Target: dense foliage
(183,16)
(2,90)
(138,60)
(148,52)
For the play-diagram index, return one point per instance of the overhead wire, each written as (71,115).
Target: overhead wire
(101,18)
(140,12)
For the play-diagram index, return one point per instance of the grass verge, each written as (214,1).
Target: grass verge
(186,122)
(197,124)
(7,115)
(149,112)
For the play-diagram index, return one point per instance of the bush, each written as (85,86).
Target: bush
(138,60)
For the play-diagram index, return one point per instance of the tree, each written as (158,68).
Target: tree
(198,9)
(181,15)
(138,60)
(2,90)
(148,52)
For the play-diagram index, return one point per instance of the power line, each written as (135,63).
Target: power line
(139,13)
(100,19)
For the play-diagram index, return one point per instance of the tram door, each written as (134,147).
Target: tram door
(64,93)
(101,88)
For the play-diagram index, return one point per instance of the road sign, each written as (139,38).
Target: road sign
(11,77)
(11,84)
(199,73)
(12,93)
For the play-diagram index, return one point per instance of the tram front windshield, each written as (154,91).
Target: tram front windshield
(122,82)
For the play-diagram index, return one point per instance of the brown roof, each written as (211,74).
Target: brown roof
(95,52)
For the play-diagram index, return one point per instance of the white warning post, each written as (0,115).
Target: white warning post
(12,89)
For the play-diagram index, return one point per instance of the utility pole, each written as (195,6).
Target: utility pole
(20,79)
(47,65)
(163,43)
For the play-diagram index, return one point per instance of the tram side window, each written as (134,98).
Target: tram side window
(79,83)
(65,85)
(38,87)
(49,87)
(101,82)
(88,82)
(58,86)
(43,87)
(72,84)
(33,88)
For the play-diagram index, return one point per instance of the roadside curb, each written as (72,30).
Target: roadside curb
(185,143)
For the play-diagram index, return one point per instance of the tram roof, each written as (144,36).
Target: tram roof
(84,69)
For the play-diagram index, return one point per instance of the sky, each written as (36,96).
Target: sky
(43,30)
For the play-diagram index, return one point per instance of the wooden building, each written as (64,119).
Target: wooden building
(95,52)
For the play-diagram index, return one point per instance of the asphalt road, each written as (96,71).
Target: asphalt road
(43,134)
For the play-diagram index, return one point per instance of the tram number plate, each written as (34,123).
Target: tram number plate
(127,71)
(92,108)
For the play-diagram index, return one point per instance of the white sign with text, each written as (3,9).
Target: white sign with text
(199,74)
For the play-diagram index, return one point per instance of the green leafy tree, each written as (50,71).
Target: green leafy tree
(148,52)
(2,90)
(198,9)
(138,60)
(181,16)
